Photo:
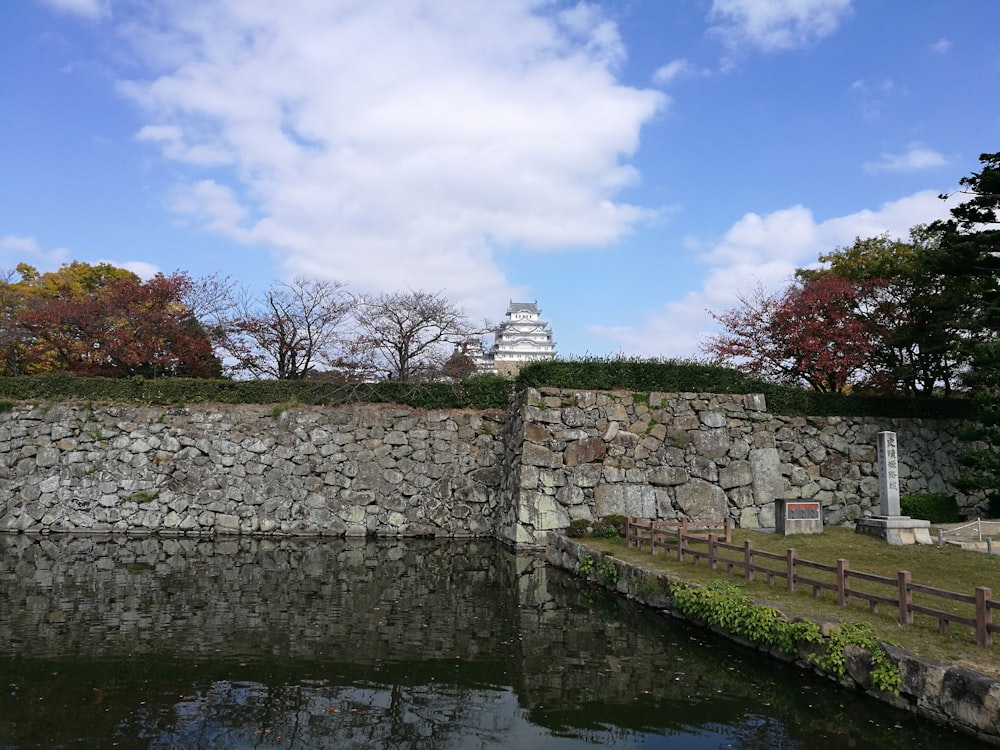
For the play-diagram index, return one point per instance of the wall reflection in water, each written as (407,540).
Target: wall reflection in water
(186,643)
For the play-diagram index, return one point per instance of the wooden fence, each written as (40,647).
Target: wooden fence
(684,540)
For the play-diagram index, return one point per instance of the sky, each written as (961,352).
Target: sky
(629,165)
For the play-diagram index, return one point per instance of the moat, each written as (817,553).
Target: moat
(249,642)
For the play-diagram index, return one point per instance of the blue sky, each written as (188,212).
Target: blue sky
(628,164)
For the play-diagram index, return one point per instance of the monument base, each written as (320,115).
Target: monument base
(897,530)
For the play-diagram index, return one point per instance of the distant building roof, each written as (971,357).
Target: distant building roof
(531,307)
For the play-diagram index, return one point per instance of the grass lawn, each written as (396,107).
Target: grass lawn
(949,568)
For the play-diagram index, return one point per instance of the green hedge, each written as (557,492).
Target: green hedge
(686,376)
(487,392)
(933,508)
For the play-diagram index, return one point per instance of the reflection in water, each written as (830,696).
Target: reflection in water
(182,643)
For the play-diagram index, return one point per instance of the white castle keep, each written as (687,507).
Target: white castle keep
(519,339)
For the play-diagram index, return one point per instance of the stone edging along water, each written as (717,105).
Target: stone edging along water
(960,698)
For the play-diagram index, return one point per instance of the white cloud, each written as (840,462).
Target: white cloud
(15,249)
(941,46)
(92,9)
(916,158)
(674,69)
(395,144)
(875,96)
(775,25)
(765,250)
(143,270)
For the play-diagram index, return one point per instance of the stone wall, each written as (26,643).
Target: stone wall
(555,456)
(357,470)
(584,455)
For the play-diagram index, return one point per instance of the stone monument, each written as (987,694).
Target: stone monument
(889,524)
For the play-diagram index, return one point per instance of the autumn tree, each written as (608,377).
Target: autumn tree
(408,335)
(289,332)
(817,331)
(924,347)
(110,324)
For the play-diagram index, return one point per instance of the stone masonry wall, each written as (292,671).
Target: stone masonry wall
(384,470)
(584,455)
(556,456)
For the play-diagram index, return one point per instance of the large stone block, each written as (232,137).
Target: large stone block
(737,474)
(536,455)
(586,475)
(767,480)
(584,452)
(625,499)
(713,443)
(702,501)
(666,476)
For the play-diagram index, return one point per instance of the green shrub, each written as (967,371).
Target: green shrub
(885,674)
(933,508)
(993,506)
(690,376)
(578,528)
(641,376)
(724,605)
(607,571)
(486,392)
(610,527)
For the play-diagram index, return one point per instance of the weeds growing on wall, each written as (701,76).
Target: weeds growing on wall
(724,605)
(607,571)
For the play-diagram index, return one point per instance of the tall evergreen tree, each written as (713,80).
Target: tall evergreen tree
(969,255)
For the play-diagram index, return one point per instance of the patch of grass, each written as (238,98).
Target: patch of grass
(947,568)
(142,496)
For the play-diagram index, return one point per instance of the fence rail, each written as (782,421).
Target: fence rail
(695,542)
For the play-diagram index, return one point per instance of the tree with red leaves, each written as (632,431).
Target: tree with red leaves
(820,330)
(120,328)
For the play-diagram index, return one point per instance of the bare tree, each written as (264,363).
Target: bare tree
(290,331)
(212,301)
(408,335)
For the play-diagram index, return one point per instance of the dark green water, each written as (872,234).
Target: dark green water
(162,643)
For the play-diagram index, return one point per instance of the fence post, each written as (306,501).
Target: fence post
(729,530)
(791,557)
(904,579)
(711,552)
(748,559)
(843,598)
(984,617)
(629,533)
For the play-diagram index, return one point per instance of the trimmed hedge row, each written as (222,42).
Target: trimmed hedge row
(681,376)
(486,392)
(476,393)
